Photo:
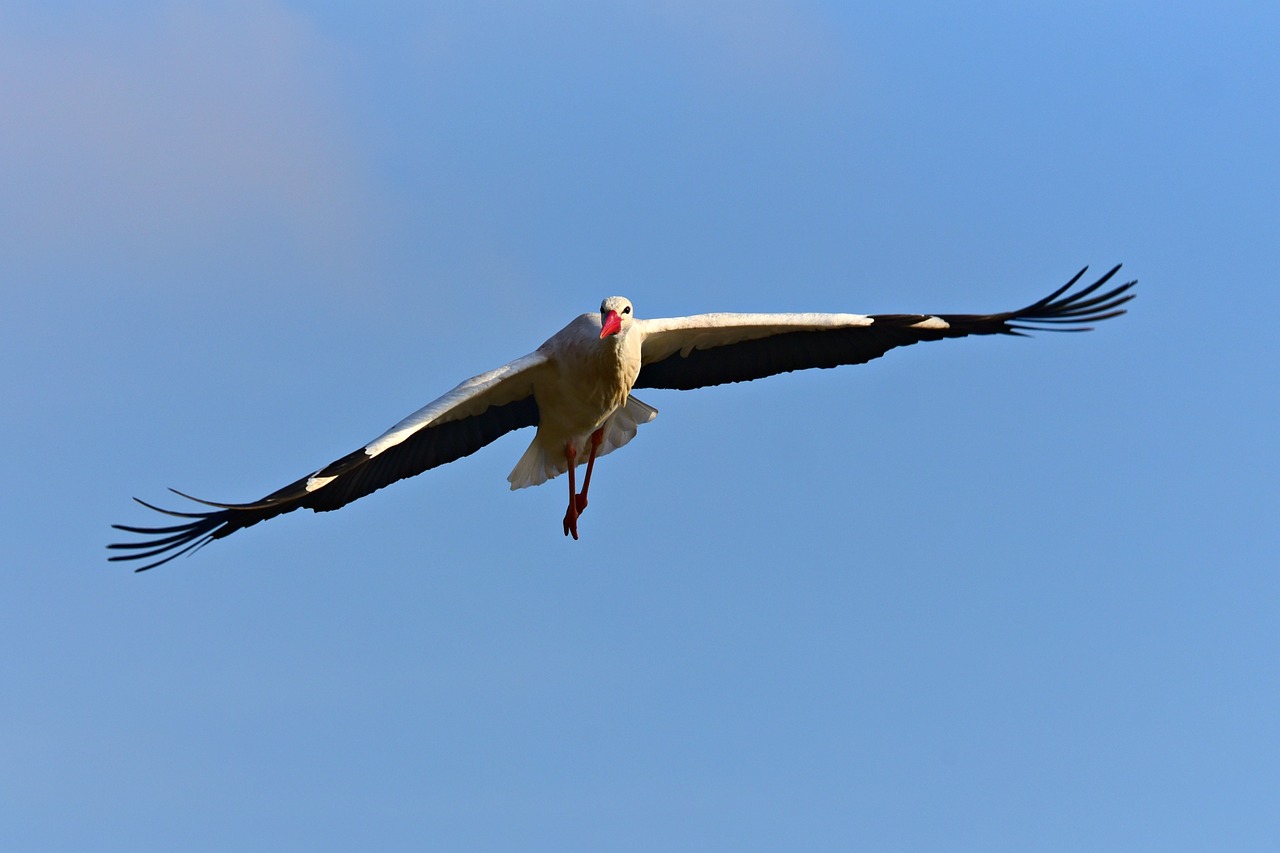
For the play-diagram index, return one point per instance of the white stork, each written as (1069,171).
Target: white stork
(576,389)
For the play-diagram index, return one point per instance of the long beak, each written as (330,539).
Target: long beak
(611,325)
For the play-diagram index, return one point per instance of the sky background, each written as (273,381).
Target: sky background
(978,595)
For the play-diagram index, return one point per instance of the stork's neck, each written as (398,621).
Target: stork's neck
(623,351)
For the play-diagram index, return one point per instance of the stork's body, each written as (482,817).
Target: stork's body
(576,389)
(584,398)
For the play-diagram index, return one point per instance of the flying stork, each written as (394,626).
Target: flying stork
(576,389)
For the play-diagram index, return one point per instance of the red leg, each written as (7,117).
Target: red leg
(597,438)
(571,514)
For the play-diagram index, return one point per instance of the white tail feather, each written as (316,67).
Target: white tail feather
(540,463)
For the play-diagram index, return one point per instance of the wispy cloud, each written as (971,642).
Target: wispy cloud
(785,45)
(161,134)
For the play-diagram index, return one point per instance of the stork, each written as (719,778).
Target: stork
(576,389)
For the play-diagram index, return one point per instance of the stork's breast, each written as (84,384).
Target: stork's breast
(591,384)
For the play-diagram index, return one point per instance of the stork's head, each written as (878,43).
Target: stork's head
(615,316)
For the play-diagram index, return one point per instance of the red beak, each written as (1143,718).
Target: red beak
(611,325)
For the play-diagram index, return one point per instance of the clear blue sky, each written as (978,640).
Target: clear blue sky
(978,595)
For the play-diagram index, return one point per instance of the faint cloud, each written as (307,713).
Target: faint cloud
(791,47)
(148,135)
(788,45)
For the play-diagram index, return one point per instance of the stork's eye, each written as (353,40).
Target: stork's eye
(626,310)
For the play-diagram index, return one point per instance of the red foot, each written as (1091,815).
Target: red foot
(571,514)
(571,523)
(578,502)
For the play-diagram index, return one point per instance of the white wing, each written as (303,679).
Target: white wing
(711,349)
(475,413)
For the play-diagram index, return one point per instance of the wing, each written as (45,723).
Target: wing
(712,349)
(467,418)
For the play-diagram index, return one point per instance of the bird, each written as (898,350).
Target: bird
(576,389)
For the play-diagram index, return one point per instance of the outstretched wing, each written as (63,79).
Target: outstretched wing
(712,349)
(467,418)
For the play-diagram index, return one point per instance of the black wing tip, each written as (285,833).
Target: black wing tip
(1067,311)
(172,541)
(198,529)
(265,503)
(188,547)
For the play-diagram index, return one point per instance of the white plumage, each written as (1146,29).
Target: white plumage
(576,389)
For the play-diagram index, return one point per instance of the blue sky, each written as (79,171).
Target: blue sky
(984,594)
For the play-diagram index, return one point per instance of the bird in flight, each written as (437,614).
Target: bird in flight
(576,389)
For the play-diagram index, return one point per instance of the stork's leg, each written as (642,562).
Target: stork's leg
(597,438)
(571,514)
